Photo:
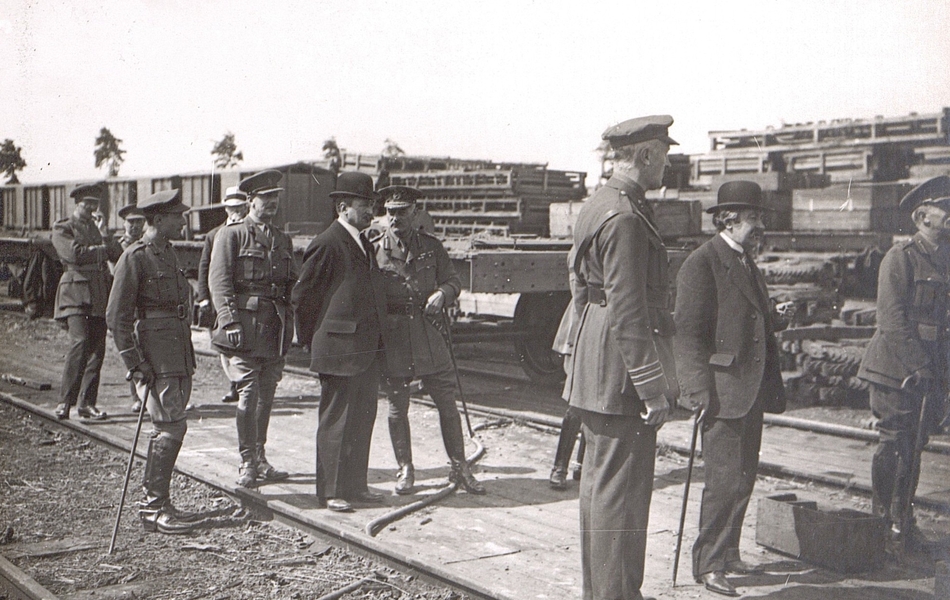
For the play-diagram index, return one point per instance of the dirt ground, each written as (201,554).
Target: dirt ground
(59,496)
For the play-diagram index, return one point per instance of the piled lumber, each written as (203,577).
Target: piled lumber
(856,207)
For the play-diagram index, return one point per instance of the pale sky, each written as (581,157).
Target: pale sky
(501,80)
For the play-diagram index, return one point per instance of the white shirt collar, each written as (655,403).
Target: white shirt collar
(354,232)
(732,243)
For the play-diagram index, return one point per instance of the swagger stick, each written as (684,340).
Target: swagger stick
(128,470)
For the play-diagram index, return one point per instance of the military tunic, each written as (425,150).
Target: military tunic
(84,287)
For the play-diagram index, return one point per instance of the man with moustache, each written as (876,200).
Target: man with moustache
(728,365)
(149,314)
(622,378)
(340,307)
(251,275)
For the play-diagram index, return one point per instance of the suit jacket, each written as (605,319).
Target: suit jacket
(340,304)
(725,334)
(623,344)
(84,287)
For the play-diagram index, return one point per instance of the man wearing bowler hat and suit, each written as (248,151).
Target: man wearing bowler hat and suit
(622,378)
(85,248)
(340,306)
(728,365)
(251,275)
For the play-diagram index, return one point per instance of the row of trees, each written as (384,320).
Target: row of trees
(110,154)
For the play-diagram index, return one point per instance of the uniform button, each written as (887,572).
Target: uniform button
(754,317)
(755,339)
(757,359)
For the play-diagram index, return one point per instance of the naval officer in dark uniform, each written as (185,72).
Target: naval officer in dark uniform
(622,378)
(85,248)
(149,314)
(420,282)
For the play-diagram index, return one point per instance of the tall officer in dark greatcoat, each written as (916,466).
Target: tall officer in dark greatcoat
(149,313)
(728,364)
(906,359)
(622,378)
(251,275)
(420,282)
(85,248)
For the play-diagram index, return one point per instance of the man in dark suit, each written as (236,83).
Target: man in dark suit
(340,304)
(727,360)
(622,375)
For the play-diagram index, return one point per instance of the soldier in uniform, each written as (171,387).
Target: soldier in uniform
(251,276)
(133,227)
(235,205)
(149,313)
(906,360)
(622,377)
(420,282)
(85,248)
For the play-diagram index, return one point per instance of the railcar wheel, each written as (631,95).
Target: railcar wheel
(537,317)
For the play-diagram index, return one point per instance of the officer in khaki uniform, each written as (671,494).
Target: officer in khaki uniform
(133,222)
(251,276)
(420,282)
(149,313)
(85,248)
(622,377)
(906,359)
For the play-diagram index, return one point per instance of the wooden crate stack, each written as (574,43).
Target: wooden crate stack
(858,207)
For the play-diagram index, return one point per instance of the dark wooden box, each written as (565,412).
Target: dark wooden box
(841,540)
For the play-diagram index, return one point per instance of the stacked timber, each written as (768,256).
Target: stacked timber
(931,161)
(857,207)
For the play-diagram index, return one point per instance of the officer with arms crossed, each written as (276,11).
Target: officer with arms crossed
(420,282)
(251,275)
(149,313)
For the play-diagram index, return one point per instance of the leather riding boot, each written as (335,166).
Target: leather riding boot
(162,520)
(155,491)
(232,395)
(581,449)
(156,512)
(399,434)
(461,473)
(247,472)
(883,474)
(562,457)
(265,470)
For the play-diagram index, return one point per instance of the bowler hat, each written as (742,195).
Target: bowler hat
(130,211)
(261,184)
(163,202)
(354,183)
(735,195)
(641,129)
(89,191)
(400,196)
(934,191)
(233,196)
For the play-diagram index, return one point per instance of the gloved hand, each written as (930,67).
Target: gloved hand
(235,334)
(658,410)
(205,314)
(435,302)
(695,400)
(145,373)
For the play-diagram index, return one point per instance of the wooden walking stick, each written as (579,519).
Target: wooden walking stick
(128,470)
(689,475)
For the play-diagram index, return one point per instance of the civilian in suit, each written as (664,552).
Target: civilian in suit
(622,376)
(340,305)
(728,365)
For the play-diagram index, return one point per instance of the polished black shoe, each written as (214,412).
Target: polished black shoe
(230,397)
(715,581)
(405,480)
(91,413)
(461,475)
(163,521)
(267,472)
(366,497)
(741,567)
(62,412)
(558,478)
(339,505)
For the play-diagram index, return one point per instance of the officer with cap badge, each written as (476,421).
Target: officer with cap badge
(251,276)
(235,206)
(622,378)
(420,281)
(85,248)
(906,360)
(149,314)
(133,227)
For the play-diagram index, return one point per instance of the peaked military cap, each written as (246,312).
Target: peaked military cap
(354,183)
(233,196)
(400,196)
(734,195)
(89,191)
(261,184)
(131,211)
(163,202)
(641,129)
(934,191)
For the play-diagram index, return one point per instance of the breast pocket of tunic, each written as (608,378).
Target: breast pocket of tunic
(161,288)
(252,264)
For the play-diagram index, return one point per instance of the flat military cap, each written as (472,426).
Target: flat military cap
(934,191)
(164,202)
(354,183)
(131,211)
(641,129)
(233,196)
(261,184)
(400,196)
(90,191)
(735,195)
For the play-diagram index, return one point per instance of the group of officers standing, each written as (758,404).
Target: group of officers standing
(371,307)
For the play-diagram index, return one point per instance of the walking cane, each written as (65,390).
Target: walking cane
(906,500)
(689,475)
(128,470)
(455,368)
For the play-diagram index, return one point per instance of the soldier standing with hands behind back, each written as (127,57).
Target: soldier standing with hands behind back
(420,282)
(85,248)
